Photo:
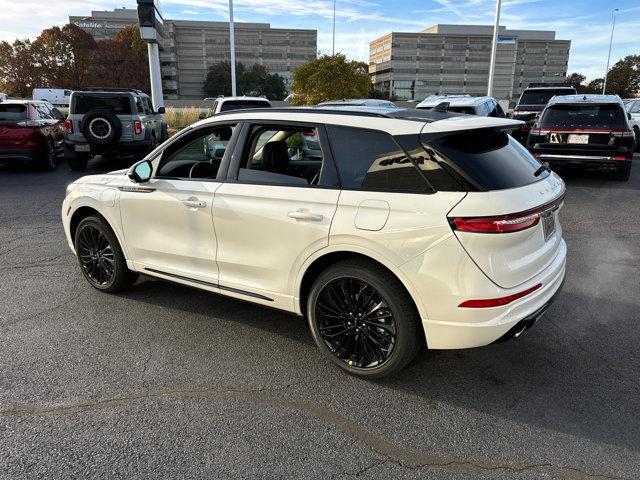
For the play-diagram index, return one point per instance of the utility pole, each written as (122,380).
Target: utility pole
(232,43)
(333,49)
(494,49)
(152,32)
(613,26)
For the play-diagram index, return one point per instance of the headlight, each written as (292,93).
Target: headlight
(70,188)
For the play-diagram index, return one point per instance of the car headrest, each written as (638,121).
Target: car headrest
(275,156)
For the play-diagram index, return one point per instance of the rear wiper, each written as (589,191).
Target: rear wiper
(543,167)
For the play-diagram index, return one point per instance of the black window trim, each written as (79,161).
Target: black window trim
(431,190)
(187,136)
(242,145)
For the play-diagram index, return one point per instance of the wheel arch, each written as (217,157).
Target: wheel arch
(82,213)
(322,260)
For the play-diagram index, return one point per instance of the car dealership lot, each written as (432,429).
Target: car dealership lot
(166,381)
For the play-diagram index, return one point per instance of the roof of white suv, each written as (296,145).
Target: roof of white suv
(395,121)
(454,101)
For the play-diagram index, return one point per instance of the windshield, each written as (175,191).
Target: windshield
(13,111)
(541,97)
(467,110)
(602,116)
(241,104)
(120,105)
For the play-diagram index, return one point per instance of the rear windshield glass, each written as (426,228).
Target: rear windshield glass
(541,97)
(607,116)
(119,105)
(467,110)
(487,159)
(240,104)
(15,111)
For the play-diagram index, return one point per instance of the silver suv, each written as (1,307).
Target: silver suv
(109,123)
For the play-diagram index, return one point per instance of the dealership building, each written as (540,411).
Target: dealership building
(191,47)
(449,59)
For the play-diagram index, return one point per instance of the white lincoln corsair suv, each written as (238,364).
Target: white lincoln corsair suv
(404,227)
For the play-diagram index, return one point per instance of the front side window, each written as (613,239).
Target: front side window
(139,105)
(372,160)
(198,156)
(285,155)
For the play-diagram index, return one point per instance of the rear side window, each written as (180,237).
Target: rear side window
(372,160)
(609,116)
(487,159)
(240,104)
(120,105)
(12,111)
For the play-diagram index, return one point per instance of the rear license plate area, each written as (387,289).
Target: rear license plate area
(83,148)
(578,139)
(548,225)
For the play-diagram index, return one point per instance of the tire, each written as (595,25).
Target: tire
(49,160)
(623,174)
(101,127)
(100,257)
(78,164)
(360,350)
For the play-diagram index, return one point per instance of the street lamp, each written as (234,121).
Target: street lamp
(232,44)
(333,49)
(494,49)
(613,26)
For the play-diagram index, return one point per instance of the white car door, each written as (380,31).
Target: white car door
(273,212)
(167,221)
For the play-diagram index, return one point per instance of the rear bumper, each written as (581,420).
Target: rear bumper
(449,326)
(590,161)
(18,155)
(136,146)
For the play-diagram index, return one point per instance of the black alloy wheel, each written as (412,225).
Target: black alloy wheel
(355,322)
(96,256)
(363,319)
(101,259)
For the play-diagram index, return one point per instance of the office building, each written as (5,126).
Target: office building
(448,59)
(191,47)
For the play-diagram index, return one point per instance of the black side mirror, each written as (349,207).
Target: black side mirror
(202,116)
(141,172)
(629,116)
(161,110)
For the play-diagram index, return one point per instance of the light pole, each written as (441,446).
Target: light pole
(494,49)
(613,26)
(232,43)
(333,49)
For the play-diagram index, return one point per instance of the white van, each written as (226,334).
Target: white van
(55,96)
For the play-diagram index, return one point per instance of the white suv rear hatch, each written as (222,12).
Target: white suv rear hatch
(508,222)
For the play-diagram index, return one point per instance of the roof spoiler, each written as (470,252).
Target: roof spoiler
(441,107)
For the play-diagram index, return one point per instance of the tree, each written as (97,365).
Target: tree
(121,62)
(624,77)
(329,77)
(255,81)
(19,68)
(66,56)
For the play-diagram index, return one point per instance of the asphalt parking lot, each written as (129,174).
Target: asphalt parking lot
(170,382)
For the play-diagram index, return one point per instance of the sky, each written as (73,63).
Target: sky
(587,23)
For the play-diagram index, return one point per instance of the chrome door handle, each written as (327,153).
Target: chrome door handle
(194,203)
(300,215)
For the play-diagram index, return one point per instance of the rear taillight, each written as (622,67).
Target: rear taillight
(513,222)
(498,302)
(622,157)
(137,127)
(68,126)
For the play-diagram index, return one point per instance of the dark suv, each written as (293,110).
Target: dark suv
(586,130)
(108,123)
(532,102)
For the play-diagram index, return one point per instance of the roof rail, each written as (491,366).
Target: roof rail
(549,85)
(110,89)
(322,110)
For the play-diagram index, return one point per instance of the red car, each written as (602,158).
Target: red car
(30,131)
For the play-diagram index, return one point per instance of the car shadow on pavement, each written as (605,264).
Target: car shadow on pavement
(563,374)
